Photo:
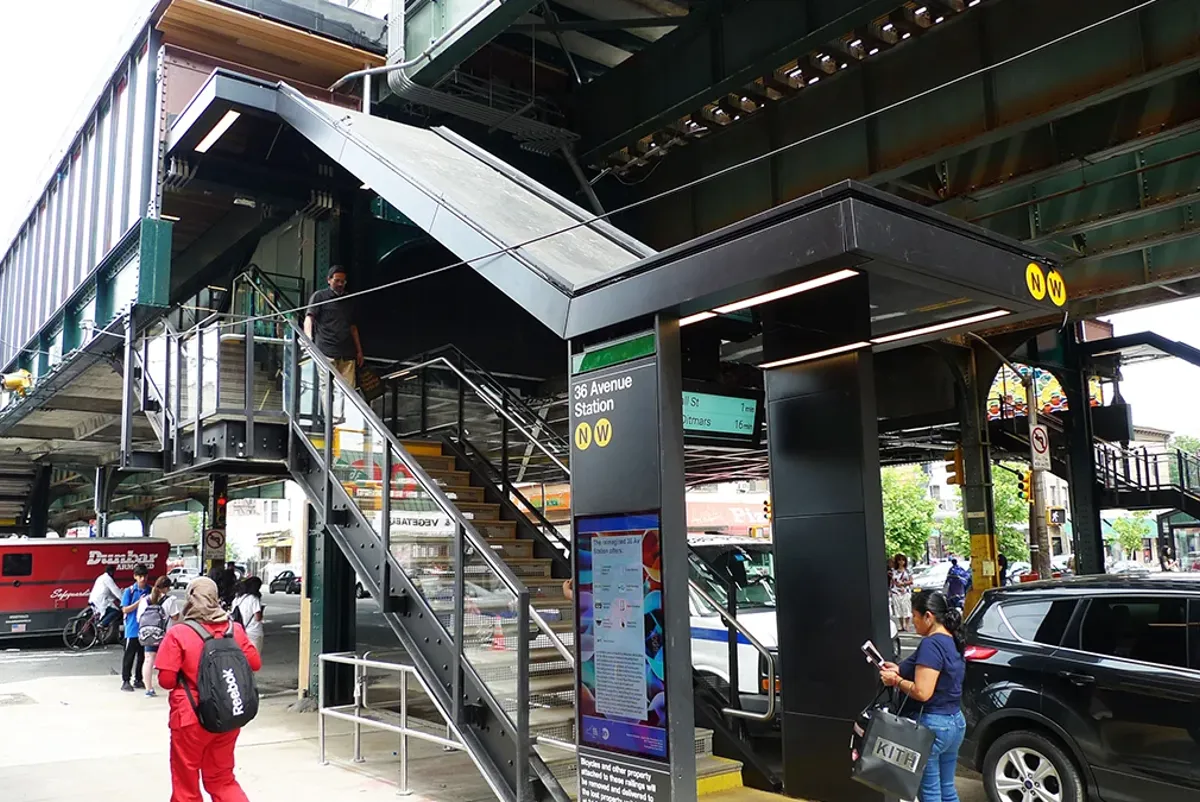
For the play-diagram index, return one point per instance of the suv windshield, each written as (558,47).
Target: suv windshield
(751,568)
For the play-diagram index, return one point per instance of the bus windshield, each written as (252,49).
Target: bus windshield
(751,569)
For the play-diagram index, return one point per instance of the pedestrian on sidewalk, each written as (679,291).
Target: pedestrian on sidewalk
(247,610)
(902,584)
(932,677)
(134,661)
(154,616)
(196,752)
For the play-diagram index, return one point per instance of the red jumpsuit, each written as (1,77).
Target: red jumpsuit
(196,752)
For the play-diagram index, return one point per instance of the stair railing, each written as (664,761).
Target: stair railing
(518,426)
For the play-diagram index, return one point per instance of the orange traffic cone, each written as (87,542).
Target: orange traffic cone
(498,644)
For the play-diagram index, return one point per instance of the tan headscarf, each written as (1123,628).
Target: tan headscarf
(204,603)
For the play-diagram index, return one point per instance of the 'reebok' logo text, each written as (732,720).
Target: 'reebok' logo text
(235,693)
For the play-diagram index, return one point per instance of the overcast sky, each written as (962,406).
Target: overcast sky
(50,89)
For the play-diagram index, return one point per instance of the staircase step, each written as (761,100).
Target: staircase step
(431,462)
(493,530)
(480,511)
(422,448)
(368,494)
(447,478)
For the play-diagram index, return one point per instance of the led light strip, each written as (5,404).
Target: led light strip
(792,360)
(218,131)
(767,297)
(949,324)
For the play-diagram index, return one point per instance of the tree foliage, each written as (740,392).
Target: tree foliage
(1131,531)
(907,511)
(1186,443)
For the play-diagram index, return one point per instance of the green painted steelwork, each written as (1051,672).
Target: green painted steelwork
(426,21)
(1089,148)
(154,263)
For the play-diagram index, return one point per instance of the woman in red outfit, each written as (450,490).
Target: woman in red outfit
(195,751)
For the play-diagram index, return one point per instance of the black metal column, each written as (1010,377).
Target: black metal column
(975,367)
(330,588)
(1085,492)
(39,502)
(828,531)
(104,485)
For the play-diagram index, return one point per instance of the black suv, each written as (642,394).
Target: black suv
(1086,688)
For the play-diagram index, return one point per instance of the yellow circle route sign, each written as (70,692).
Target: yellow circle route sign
(603,432)
(1035,280)
(1056,287)
(583,436)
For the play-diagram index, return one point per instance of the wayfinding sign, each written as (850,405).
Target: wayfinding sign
(635,726)
(720,415)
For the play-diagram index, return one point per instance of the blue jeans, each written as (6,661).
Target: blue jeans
(110,615)
(937,784)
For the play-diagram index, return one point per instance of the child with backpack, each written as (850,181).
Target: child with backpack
(207,663)
(154,615)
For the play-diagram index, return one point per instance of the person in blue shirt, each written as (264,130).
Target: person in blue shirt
(958,582)
(134,652)
(933,678)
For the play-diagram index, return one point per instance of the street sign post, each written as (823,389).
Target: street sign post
(1039,447)
(214,545)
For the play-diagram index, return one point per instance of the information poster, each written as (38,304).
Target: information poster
(622,694)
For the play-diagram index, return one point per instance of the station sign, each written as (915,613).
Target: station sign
(630,715)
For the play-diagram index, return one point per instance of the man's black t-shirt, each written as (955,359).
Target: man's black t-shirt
(331,325)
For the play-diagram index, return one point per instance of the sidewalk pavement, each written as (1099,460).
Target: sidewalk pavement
(73,738)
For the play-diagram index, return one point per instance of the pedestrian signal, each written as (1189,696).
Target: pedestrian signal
(955,470)
(1025,487)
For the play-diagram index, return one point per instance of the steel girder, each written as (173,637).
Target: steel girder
(1085,146)
(724,47)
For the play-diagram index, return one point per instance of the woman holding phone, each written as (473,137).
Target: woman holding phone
(932,678)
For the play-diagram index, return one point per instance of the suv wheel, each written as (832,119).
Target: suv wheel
(1025,766)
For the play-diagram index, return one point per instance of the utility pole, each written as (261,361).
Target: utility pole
(1039,535)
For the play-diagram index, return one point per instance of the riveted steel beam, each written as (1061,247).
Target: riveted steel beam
(724,47)
(991,119)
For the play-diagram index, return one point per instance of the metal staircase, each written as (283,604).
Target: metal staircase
(1142,478)
(429,500)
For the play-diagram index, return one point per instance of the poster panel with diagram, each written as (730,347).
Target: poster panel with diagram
(619,619)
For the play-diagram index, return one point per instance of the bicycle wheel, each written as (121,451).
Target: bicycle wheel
(79,634)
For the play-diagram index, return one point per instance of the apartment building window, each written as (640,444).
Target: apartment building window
(272,512)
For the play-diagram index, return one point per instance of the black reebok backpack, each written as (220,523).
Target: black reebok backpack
(228,696)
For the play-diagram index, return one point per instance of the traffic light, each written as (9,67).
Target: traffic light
(1025,487)
(955,470)
(767,509)
(220,508)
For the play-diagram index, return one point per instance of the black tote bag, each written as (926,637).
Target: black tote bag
(890,752)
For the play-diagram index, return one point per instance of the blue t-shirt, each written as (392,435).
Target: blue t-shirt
(133,595)
(940,653)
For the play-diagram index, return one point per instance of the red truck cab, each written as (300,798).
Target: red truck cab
(44,582)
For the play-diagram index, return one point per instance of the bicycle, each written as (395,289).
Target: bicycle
(87,629)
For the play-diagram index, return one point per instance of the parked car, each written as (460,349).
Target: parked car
(1086,688)
(933,577)
(283,582)
(180,577)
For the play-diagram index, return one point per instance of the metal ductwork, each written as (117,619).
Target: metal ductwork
(533,134)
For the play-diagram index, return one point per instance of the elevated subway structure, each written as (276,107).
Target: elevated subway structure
(164,345)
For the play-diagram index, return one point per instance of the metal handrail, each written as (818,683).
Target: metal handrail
(511,398)
(498,408)
(732,621)
(361,664)
(482,548)
(568,656)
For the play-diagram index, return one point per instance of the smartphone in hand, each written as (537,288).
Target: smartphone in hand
(872,654)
